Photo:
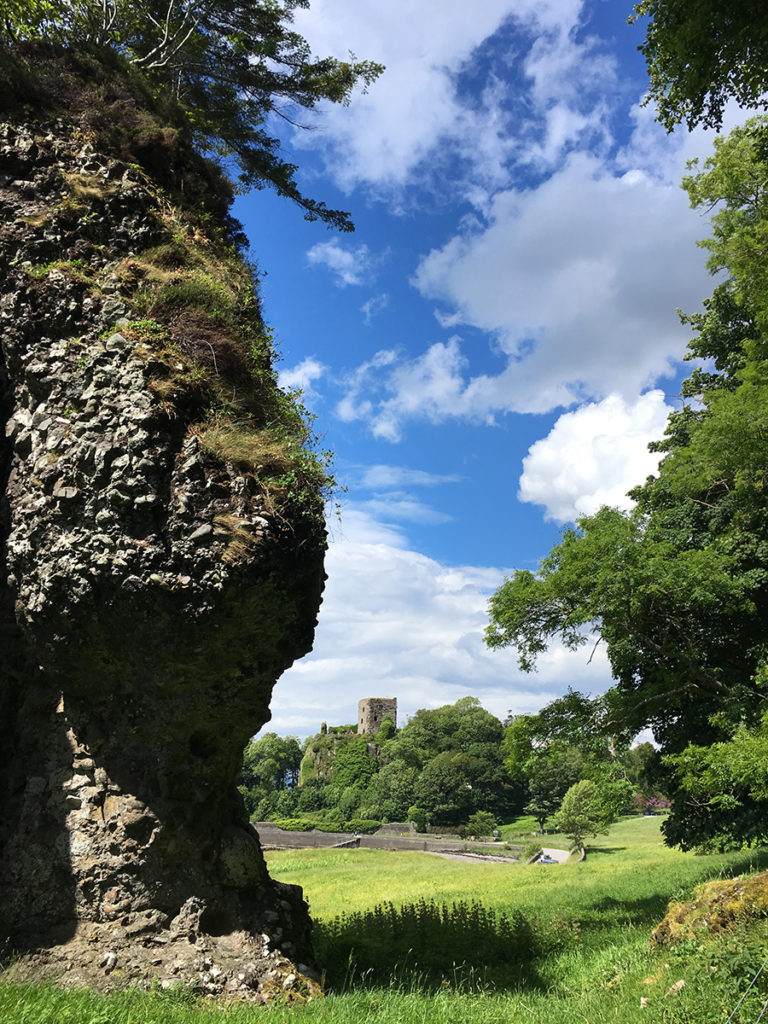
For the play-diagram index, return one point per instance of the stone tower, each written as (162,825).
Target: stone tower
(371,712)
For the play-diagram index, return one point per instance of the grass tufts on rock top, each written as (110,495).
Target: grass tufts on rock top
(194,307)
(209,350)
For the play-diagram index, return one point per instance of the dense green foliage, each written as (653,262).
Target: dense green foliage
(225,67)
(433,935)
(676,588)
(570,740)
(270,770)
(702,54)
(454,767)
(583,813)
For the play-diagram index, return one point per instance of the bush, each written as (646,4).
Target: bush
(294,824)
(481,823)
(365,825)
(419,817)
(265,809)
(331,822)
(387,730)
(530,850)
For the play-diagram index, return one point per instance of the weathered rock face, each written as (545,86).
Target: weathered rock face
(151,592)
(717,906)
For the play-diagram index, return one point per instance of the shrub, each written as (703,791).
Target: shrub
(419,817)
(332,825)
(294,824)
(481,823)
(365,825)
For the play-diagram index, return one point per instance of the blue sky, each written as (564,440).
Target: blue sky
(491,351)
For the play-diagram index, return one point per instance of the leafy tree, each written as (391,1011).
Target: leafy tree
(228,66)
(583,813)
(451,727)
(726,789)
(264,810)
(285,803)
(616,792)
(550,774)
(548,752)
(461,728)
(676,588)
(313,796)
(418,816)
(642,769)
(349,801)
(393,790)
(518,745)
(272,762)
(481,823)
(702,54)
(387,730)
(444,789)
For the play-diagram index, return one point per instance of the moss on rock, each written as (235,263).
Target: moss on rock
(716,906)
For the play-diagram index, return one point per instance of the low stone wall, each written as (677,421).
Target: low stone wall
(395,828)
(276,838)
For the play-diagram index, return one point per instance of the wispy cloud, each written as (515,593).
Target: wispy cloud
(350,265)
(382,477)
(374,306)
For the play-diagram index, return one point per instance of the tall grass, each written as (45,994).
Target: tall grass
(427,945)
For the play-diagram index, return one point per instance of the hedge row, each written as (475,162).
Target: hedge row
(365,825)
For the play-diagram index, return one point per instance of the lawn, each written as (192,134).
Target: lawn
(629,875)
(561,944)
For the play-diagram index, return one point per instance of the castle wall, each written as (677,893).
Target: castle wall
(371,712)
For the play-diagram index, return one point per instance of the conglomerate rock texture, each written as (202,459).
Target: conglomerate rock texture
(151,592)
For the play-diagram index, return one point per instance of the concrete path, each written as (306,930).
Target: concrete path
(484,858)
(561,856)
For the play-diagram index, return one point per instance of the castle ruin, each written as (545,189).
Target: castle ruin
(371,712)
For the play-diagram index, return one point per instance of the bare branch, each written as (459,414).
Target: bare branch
(591,656)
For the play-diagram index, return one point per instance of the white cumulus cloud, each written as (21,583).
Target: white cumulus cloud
(397,623)
(578,280)
(302,376)
(593,456)
(417,110)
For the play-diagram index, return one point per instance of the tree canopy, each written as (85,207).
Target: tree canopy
(569,740)
(701,54)
(676,587)
(230,66)
(270,768)
(583,813)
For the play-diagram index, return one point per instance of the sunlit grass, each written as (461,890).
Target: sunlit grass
(625,872)
(589,961)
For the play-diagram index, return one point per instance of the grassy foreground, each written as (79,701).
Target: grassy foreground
(561,944)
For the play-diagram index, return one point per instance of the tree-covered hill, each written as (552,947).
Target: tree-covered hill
(446,766)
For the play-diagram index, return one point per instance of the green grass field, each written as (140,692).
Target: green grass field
(561,944)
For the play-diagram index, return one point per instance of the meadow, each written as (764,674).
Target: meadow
(411,938)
